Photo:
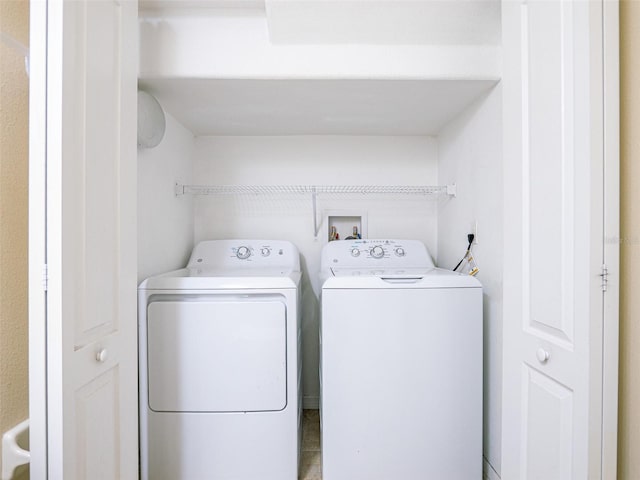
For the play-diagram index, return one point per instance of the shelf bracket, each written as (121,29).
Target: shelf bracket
(452,190)
(316,223)
(178,189)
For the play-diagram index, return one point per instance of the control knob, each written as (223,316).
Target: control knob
(355,252)
(243,253)
(400,252)
(377,252)
(265,252)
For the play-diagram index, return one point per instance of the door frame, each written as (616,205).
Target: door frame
(37,239)
(611,253)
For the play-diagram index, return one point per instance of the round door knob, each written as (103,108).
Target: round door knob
(243,253)
(377,252)
(101,355)
(542,355)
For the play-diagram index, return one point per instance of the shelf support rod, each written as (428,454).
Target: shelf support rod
(314,203)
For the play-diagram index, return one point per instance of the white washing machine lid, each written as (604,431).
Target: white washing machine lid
(407,278)
(405,272)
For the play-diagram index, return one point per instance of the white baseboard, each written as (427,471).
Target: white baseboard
(311,402)
(488,473)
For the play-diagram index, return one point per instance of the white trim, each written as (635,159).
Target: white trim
(53,180)
(311,402)
(488,472)
(37,240)
(610,347)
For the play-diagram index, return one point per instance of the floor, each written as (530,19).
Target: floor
(310,468)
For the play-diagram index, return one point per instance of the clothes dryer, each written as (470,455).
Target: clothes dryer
(219,346)
(401,365)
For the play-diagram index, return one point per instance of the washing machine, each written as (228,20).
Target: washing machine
(219,345)
(401,364)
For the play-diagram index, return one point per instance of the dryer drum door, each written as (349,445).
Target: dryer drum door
(217,355)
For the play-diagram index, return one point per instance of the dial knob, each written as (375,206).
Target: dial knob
(377,252)
(400,252)
(355,252)
(265,252)
(243,253)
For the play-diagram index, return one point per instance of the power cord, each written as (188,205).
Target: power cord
(470,238)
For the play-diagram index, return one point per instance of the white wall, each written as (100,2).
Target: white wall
(470,154)
(309,160)
(205,43)
(165,222)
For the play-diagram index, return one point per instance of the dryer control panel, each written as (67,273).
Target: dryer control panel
(385,253)
(244,253)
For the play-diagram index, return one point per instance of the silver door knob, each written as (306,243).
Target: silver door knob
(101,355)
(542,355)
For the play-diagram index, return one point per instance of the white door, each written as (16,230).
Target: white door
(554,240)
(89,142)
(216,355)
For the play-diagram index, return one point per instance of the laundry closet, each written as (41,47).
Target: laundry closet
(337,96)
(425,120)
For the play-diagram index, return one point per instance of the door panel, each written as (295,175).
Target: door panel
(548,415)
(91,239)
(547,162)
(554,199)
(98,435)
(91,169)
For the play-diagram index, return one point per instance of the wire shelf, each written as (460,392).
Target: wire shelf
(427,191)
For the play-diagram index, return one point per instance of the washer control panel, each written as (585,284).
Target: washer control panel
(245,254)
(369,253)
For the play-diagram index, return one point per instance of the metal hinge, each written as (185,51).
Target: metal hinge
(605,277)
(45,277)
